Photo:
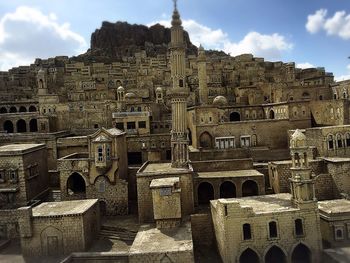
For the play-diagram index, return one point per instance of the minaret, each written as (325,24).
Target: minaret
(178,93)
(202,76)
(41,79)
(302,181)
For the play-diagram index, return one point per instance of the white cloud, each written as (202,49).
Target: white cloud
(344,77)
(267,46)
(316,21)
(338,25)
(305,65)
(27,34)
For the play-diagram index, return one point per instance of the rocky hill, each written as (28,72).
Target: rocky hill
(115,40)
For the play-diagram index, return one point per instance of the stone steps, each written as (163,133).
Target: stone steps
(116,233)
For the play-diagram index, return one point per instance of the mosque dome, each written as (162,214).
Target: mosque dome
(159,89)
(130,95)
(120,88)
(220,101)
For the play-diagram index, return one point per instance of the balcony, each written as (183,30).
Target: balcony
(130,114)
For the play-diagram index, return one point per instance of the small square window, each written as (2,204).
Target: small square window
(339,233)
(142,124)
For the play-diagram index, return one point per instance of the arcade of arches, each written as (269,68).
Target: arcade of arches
(300,254)
(20,126)
(230,188)
(14,109)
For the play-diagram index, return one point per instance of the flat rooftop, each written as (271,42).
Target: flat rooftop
(13,149)
(63,208)
(236,173)
(338,206)
(152,240)
(262,203)
(157,168)
(336,159)
(164,182)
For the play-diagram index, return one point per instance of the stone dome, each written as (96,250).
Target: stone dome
(298,139)
(120,88)
(220,101)
(130,95)
(159,89)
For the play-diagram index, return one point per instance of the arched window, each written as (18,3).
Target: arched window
(272,114)
(13,109)
(3,110)
(33,125)
(249,256)
(22,109)
(273,229)
(298,224)
(339,234)
(330,142)
(247,233)
(347,139)
(339,141)
(32,108)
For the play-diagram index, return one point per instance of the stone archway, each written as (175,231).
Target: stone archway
(13,109)
(33,125)
(235,116)
(249,256)
(8,126)
(206,140)
(275,255)
(22,109)
(205,193)
(21,126)
(227,190)
(271,114)
(301,254)
(32,108)
(76,186)
(250,188)
(3,110)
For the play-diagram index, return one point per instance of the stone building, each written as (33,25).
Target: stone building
(23,174)
(60,228)
(99,173)
(272,228)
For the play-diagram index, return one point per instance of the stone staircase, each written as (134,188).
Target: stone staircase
(117,233)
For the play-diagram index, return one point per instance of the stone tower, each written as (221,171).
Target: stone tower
(202,76)
(178,93)
(302,180)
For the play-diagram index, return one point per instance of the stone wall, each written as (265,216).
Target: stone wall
(202,230)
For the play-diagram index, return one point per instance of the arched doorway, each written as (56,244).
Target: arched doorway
(13,109)
(249,256)
(3,110)
(235,116)
(301,254)
(21,126)
(227,190)
(76,185)
(272,115)
(32,108)
(250,188)
(275,255)
(33,125)
(103,207)
(22,109)
(205,140)
(205,193)
(8,126)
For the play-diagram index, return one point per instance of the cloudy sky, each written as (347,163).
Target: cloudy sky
(311,33)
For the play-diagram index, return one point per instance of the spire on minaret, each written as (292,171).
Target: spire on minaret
(178,93)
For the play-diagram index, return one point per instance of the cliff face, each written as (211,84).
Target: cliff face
(115,40)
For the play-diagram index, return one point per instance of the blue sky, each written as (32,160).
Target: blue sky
(312,32)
